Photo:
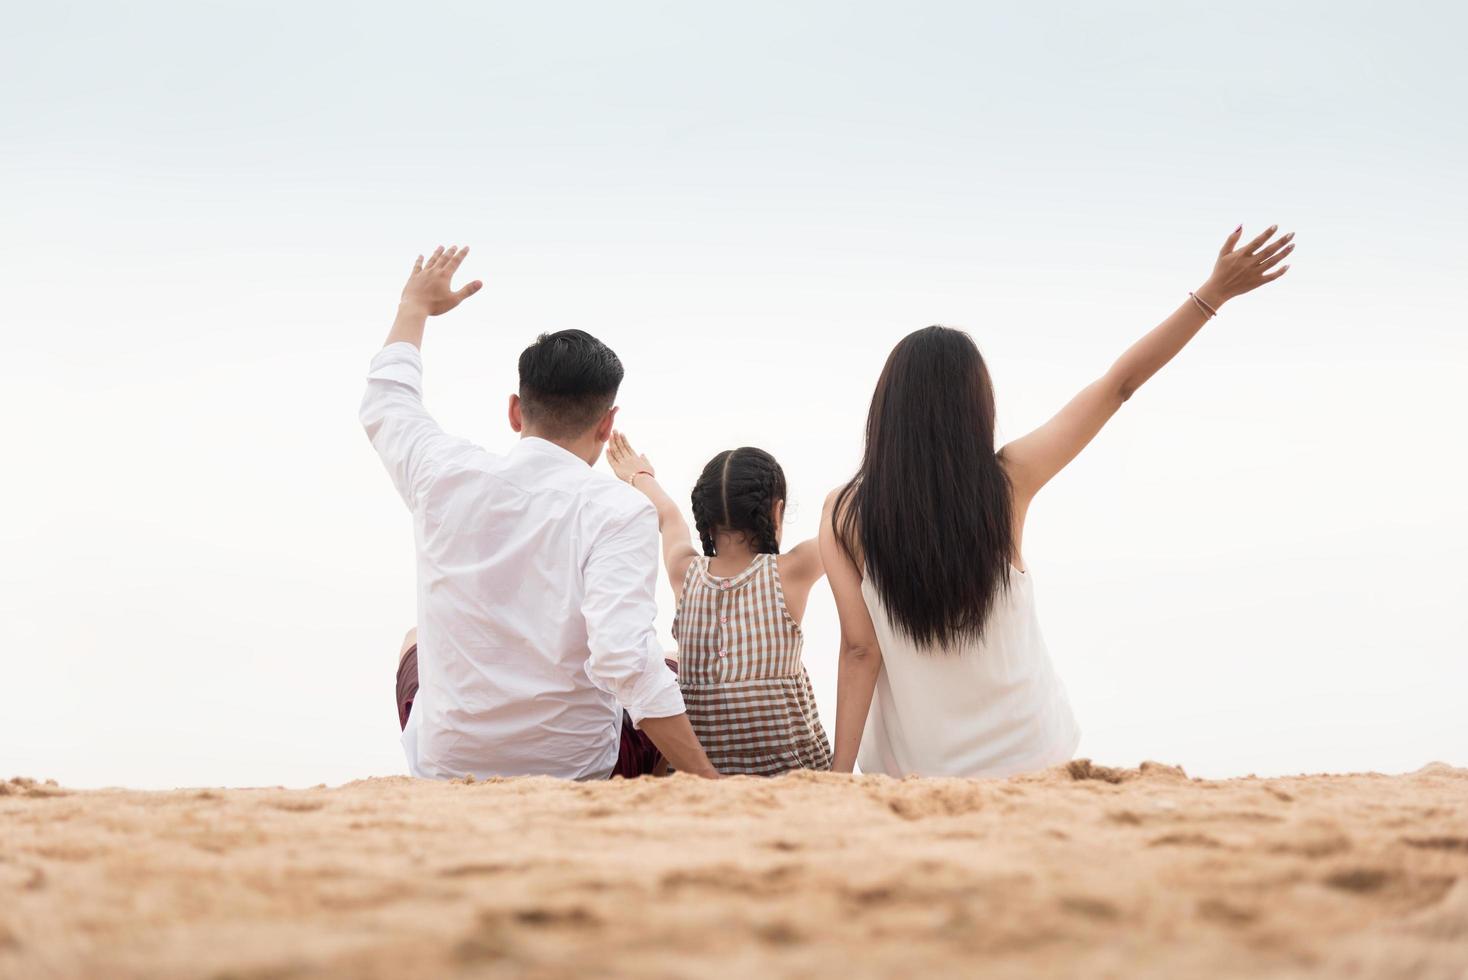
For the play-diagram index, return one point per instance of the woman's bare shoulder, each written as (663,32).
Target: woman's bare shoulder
(836,522)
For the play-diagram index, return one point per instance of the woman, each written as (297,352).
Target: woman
(943,670)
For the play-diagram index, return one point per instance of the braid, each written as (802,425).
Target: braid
(737,492)
(705,534)
(763,518)
(708,502)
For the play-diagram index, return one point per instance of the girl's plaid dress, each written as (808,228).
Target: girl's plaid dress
(748,695)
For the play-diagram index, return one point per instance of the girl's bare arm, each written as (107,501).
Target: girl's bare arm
(800,569)
(636,469)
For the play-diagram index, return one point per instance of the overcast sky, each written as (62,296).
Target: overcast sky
(209,210)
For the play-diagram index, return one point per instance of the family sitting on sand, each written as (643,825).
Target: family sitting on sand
(535,650)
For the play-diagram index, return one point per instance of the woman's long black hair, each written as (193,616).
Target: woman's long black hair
(929,512)
(737,491)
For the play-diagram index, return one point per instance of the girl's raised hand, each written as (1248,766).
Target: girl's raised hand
(624,462)
(1240,269)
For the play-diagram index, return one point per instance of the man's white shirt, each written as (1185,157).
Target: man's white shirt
(536,596)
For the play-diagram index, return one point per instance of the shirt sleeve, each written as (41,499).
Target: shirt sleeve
(620,607)
(408,440)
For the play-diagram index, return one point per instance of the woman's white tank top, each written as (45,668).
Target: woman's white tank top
(993,707)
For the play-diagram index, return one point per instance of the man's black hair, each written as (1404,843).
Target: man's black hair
(568,379)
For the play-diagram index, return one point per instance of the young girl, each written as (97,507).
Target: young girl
(739,609)
(943,670)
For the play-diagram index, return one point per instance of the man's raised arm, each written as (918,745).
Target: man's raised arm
(406,437)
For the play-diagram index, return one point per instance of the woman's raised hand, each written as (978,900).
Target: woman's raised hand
(1240,269)
(429,290)
(624,462)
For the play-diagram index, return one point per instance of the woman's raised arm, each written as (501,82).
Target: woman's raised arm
(1032,460)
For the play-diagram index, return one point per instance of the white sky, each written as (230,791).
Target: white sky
(209,209)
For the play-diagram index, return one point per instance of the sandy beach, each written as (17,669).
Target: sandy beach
(1079,871)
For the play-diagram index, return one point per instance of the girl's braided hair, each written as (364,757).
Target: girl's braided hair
(737,491)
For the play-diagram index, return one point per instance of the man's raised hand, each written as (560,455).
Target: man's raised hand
(429,290)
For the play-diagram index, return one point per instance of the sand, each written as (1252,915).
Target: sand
(1078,871)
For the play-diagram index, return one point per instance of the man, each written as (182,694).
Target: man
(535,572)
